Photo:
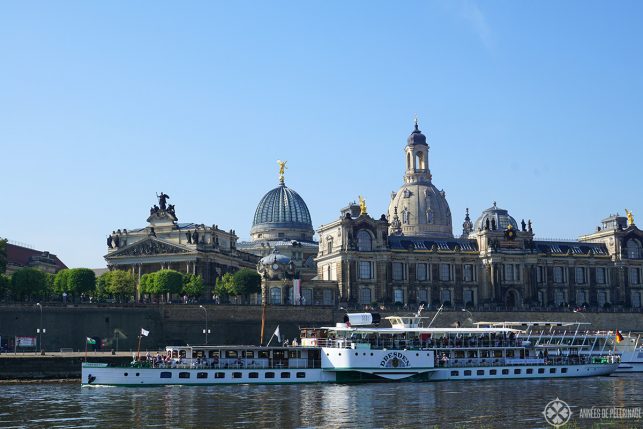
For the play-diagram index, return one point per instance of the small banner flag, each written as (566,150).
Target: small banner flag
(91,341)
(144,332)
(619,337)
(277,334)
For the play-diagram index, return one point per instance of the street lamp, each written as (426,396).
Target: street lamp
(470,318)
(206,331)
(40,331)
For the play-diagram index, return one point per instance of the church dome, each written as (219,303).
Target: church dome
(500,216)
(416,136)
(422,210)
(282,214)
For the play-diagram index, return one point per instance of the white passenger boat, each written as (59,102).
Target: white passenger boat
(576,338)
(360,351)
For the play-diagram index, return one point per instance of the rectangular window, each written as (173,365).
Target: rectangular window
(398,271)
(552,370)
(166,374)
(517,371)
(201,375)
(468,297)
(541,370)
(253,375)
(493,372)
(480,372)
(600,275)
(445,272)
(270,375)
(236,375)
(467,372)
(219,375)
(421,272)
(455,373)
(301,375)
(365,270)
(184,375)
(285,375)
(634,276)
(530,370)
(558,275)
(423,296)
(581,297)
(446,296)
(467,273)
(541,274)
(327,296)
(398,295)
(505,372)
(563,370)
(509,272)
(580,275)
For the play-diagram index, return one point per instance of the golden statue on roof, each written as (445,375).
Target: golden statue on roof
(630,217)
(282,168)
(362,205)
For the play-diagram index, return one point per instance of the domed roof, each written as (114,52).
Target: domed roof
(283,209)
(416,136)
(275,257)
(422,210)
(501,217)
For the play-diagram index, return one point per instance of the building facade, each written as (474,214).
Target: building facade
(24,257)
(185,247)
(411,256)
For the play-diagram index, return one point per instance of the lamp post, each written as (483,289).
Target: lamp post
(40,331)
(206,331)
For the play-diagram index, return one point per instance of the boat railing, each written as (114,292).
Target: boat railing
(234,364)
(417,344)
(442,361)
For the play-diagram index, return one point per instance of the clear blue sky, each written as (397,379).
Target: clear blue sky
(536,105)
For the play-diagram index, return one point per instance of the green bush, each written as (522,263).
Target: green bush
(27,283)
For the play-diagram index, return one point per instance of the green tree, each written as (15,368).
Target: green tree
(27,283)
(121,284)
(246,282)
(146,284)
(3,255)
(225,286)
(101,286)
(192,285)
(4,286)
(60,281)
(80,281)
(168,281)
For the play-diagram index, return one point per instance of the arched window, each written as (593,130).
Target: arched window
(405,215)
(633,249)
(275,295)
(329,246)
(408,161)
(419,156)
(364,241)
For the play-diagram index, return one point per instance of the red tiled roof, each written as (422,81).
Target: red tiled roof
(21,256)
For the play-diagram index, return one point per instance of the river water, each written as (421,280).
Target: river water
(465,404)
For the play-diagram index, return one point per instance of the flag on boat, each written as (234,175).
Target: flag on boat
(144,332)
(91,340)
(277,334)
(619,337)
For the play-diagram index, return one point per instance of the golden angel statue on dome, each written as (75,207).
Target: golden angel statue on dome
(630,217)
(282,169)
(362,205)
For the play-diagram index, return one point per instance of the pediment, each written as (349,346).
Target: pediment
(149,246)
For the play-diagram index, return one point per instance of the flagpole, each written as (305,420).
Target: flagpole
(138,351)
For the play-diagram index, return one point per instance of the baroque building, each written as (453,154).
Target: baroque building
(185,247)
(411,255)
(282,235)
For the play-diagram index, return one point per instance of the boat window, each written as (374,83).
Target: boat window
(253,375)
(214,353)
(125,374)
(467,372)
(530,370)
(201,375)
(293,354)
(219,375)
(182,353)
(184,375)
(541,370)
(138,373)
(301,375)
(278,354)
(250,354)
(492,372)
(455,373)
(270,375)
(505,371)
(236,375)
(552,370)
(480,372)
(285,375)
(264,354)
(166,374)
(231,354)
(563,370)
(517,371)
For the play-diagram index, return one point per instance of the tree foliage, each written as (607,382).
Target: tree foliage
(168,281)
(4,285)
(117,283)
(192,285)
(246,282)
(27,283)
(60,281)
(3,255)
(81,280)
(225,286)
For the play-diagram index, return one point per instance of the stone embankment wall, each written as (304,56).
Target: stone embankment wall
(21,367)
(119,327)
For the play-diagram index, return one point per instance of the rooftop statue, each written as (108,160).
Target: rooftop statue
(282,168)
(163,200)
(630,217)
(362,205)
